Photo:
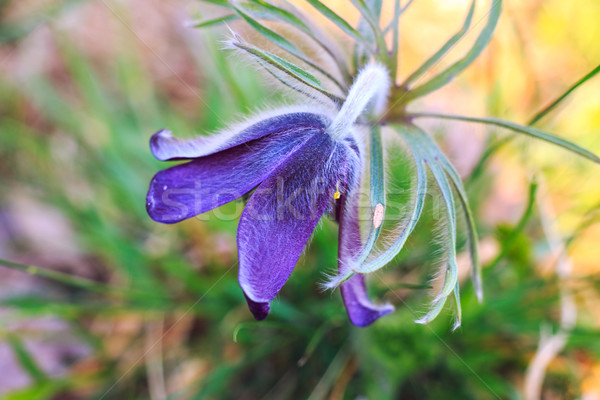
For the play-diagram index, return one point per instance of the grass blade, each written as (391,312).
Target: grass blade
(533,132)
(25,359)
(448,74)
(437,56)
(66,279)
(541,114)
(514,234)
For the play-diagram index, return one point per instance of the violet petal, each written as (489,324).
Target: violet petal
(205,183)
(283,212)
(165,147)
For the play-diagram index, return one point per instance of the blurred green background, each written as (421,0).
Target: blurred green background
(84,84)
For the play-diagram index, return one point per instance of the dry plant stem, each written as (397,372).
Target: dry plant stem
(551,345)
(154,359)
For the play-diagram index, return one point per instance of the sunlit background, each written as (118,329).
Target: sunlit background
(84,84)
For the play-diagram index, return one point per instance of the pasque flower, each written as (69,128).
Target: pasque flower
(302,162)
(306,161)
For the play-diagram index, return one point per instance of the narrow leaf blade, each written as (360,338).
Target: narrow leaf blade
(563,96)
(289,69)
(527,130)
(214,22)
(391,251)
(420,139)
(269,34)
(416,209)
(437,56)
(470,220)
(336,19)
(263,9)
(448,74)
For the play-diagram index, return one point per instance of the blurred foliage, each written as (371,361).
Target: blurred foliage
(74,127)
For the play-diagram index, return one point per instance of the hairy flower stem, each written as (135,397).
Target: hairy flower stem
(368,94)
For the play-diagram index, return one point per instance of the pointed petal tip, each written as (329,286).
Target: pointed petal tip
(259,310)
(361,311)
(368,316)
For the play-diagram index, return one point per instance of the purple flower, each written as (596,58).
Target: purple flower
(302,162)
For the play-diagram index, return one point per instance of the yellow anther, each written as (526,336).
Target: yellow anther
(337,194)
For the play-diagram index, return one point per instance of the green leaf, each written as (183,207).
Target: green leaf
(395,40)
(216,21)
(418,202)
(375,7)
(439,157)
(262,9)
(407,5)
(398,11)
(373,23)
(285,82)
(470,220)
(431,61)
(266,10)
(533,132)
(222,3)
(391,251)
(448,74)
(291,70)
(471,226)
(377,183)
(286,45)
(420,139)
(337,20)
(269,34)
